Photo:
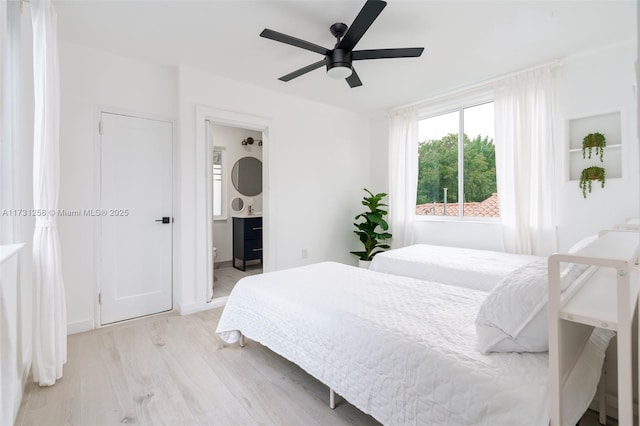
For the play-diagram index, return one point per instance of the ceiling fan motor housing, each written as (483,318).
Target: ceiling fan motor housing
(338,58)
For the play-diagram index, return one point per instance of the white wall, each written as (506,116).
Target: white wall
(91,79)
(379,154)
(596,82)
(317,160)
(231,138)
(601,81)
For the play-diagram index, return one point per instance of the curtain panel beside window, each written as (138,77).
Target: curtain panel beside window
(50,322)
(403,175)
(525,166)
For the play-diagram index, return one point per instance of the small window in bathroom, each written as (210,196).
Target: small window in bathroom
(219,212)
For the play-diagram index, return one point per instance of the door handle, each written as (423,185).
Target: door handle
(165,219)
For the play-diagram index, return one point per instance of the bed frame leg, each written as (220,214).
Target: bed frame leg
(332,399)
(602,395)
(241,340)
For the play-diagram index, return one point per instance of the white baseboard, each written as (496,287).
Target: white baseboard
(223,264)
(198,307)
(80,326)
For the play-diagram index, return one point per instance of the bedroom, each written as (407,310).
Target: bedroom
(314,121)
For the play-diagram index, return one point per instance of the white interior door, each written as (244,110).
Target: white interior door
(136,192)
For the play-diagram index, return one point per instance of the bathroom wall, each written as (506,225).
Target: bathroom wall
(230,139)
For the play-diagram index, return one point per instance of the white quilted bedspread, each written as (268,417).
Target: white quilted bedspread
(398,349)
(477,269)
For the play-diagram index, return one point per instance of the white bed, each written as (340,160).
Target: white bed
(477,269)
(398,349)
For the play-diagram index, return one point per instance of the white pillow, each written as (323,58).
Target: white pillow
(513,318)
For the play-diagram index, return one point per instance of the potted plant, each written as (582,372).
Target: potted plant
(594,140)
(590,174)
(373,230)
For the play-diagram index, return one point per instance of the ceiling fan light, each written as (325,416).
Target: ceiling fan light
(339,72)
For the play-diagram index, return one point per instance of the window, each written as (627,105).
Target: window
(219,211)
(456,163)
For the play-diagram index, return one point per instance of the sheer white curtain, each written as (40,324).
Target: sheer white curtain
(525,164)
(403,175)
(50,323)
(6,122)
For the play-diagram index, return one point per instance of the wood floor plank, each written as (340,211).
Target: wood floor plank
(185,358)
(111,365)
(267,402)
(148,380)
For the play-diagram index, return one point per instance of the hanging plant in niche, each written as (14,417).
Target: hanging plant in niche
(594,140)
(590,174)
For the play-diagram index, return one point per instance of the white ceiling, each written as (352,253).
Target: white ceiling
(465,41)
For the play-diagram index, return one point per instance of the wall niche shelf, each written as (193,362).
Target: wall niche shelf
(608,124)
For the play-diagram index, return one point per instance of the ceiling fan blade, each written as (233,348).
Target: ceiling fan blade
(410,52)
(302,71)
(361,24)
(353,79)
(293,41)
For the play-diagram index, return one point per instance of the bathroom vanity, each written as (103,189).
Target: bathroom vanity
(247,240)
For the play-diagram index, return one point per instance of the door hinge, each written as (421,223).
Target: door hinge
(100,127)
(100,298)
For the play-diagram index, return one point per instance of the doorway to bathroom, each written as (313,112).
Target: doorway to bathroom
(236,204)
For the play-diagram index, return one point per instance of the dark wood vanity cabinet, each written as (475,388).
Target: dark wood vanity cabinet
(247,240)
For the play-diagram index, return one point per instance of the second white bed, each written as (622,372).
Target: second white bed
(462,267)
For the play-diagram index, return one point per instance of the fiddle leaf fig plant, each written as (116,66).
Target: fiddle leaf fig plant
(372,231)
(590,174)
(594,140)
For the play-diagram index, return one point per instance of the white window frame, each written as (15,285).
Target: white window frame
(446,105)
(223,179)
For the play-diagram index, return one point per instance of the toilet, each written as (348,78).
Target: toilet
(215,254)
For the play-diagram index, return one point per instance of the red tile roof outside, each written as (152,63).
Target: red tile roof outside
(485,208)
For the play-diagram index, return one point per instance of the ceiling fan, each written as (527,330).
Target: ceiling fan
(339,59)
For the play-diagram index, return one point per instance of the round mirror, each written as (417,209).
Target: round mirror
(237,204)
(246,176)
